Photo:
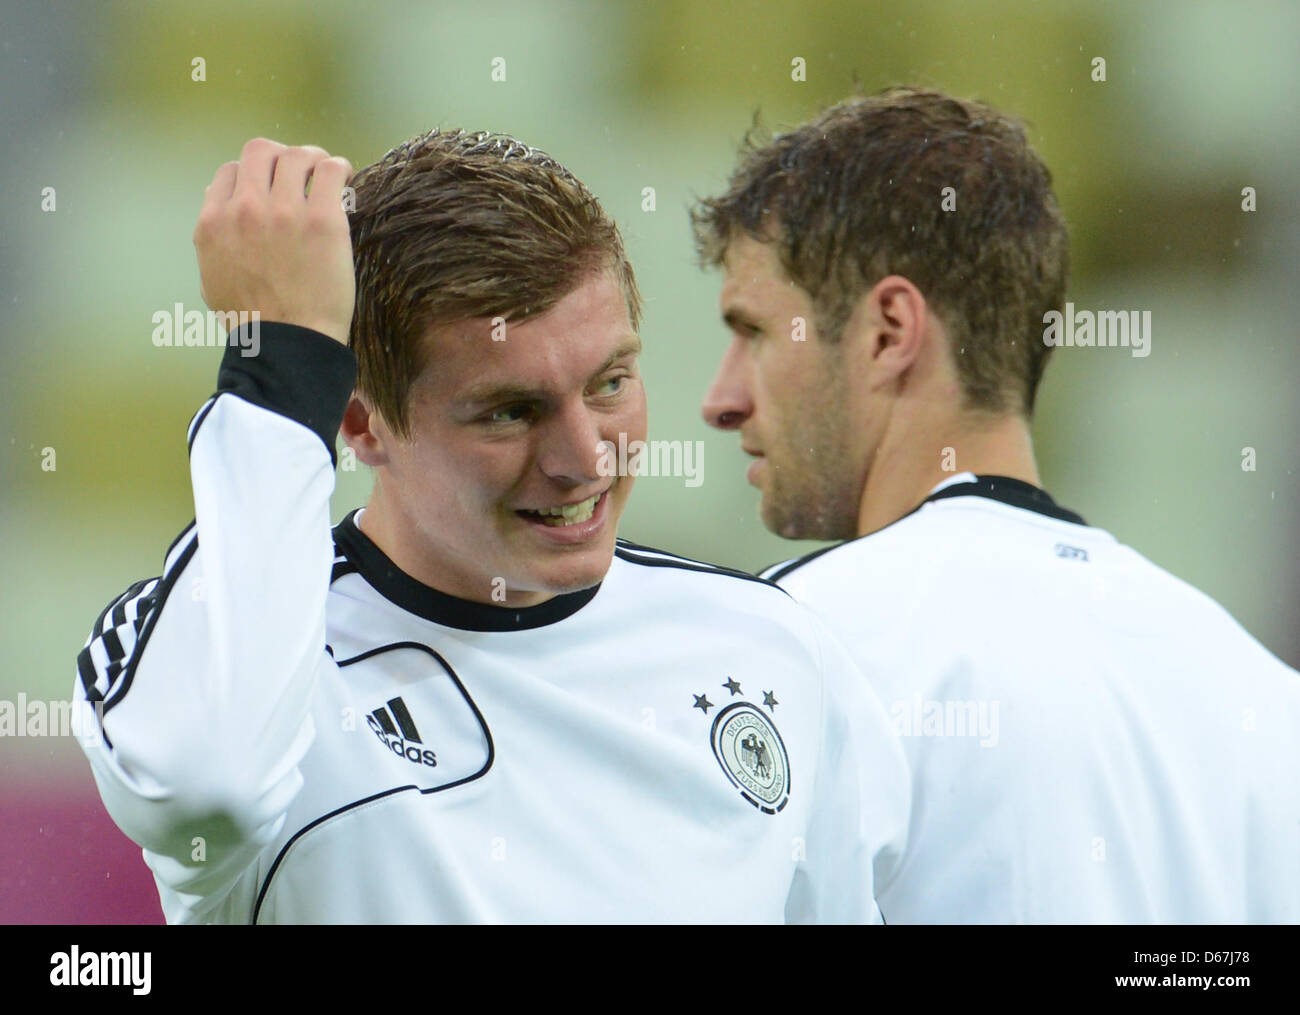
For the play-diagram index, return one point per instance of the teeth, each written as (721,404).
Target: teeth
(569,514)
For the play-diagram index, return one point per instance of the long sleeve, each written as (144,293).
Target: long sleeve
(202,677)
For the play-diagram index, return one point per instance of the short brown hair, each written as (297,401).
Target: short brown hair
(856,195)
(453,225)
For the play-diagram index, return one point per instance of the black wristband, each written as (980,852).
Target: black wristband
(299,373)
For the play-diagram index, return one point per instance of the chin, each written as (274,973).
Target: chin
(580,571)
(555,568)
(773,520)
(783,523)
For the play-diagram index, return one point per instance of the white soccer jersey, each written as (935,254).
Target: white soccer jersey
(1091,739)
(297,731)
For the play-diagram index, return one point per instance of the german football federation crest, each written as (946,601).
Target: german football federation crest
(751,752)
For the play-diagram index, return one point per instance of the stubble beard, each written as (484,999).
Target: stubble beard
(813,486)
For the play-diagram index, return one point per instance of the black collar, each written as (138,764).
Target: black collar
(396,585)
(1015,492)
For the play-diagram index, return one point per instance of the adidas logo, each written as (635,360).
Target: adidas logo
(402,736)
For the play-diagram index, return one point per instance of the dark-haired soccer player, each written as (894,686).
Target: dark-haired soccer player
(1091,739)
(468,702)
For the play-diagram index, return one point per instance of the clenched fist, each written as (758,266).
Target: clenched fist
(266,245)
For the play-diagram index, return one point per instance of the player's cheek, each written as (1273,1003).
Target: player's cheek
(633,419)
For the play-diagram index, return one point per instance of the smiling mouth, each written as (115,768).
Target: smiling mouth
(566,514)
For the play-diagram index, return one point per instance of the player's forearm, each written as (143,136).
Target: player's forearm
(262,470)
(204,677)
(206,716)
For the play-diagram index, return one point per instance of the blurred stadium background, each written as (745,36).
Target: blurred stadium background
(1198,102)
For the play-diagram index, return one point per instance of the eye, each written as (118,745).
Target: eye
(508,414)
(610,385)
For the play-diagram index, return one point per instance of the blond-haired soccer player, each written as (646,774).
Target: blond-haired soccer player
(469,701)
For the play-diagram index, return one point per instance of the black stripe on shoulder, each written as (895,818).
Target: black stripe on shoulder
(160,593)
(142,600)
(626,550)
(630,545)
(115,614)
(119,611)
(177,541)
(198,422)
(86,670)
(119,608)
(627,544)
(113,645)
(799,562)
(114,671)
(97,629)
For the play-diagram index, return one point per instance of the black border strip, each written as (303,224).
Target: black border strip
(1015,492)
(198,422)
(298,373)
(681,564)
(341,568)
(487,733)
(399,588)
(807,558)
(177,542)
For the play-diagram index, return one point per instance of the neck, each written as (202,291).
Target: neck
(906,467)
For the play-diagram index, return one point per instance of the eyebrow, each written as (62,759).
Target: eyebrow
(491,393)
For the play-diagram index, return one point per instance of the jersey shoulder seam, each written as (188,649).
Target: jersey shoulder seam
(636,553)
